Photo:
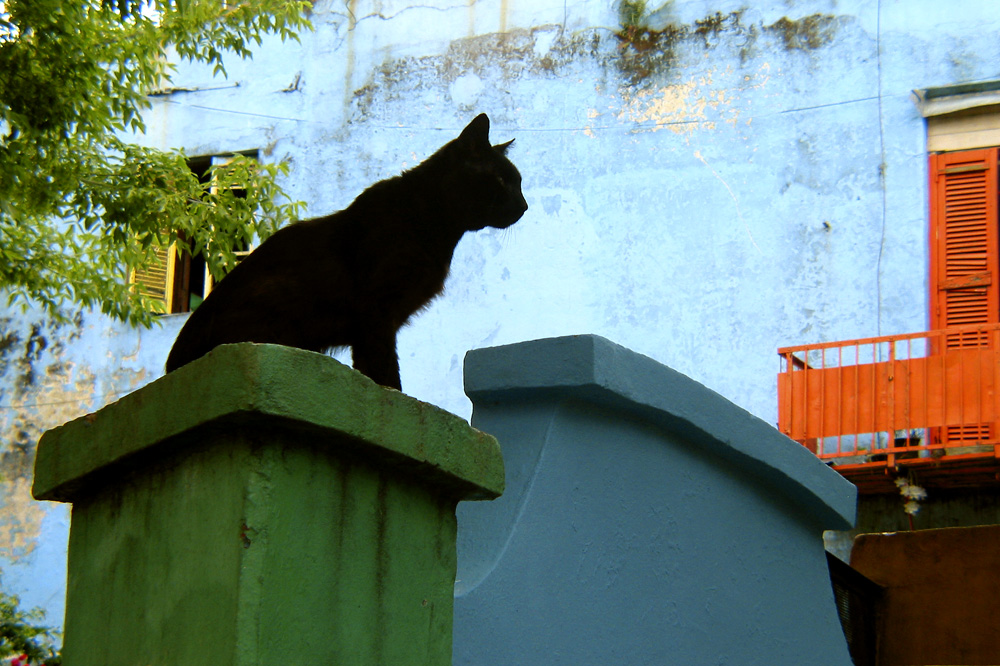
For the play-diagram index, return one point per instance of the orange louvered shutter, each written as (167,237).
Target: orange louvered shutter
(964,238)
(964,256)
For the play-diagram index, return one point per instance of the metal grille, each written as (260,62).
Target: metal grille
(857,600)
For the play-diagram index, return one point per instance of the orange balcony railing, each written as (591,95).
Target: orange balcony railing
(924,403)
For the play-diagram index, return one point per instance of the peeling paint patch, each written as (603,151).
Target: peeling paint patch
(464,69)
(39,395)
(50,373)
(52,401)
(20,518)
(123,380)
(680,108)
(696,104)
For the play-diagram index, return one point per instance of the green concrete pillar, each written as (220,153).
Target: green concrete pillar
(263,506)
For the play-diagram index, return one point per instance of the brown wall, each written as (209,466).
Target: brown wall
(942,599)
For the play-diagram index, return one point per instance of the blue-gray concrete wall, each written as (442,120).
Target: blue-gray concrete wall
(741,177)
(646,520)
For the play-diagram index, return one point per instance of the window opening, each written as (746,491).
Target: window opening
(180,281)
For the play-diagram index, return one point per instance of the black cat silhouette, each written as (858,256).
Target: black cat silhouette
(355,277)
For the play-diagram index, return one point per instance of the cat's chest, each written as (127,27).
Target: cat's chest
(421,274)
(408,273)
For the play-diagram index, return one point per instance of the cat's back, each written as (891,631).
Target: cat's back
(276,284)
(299,239)
(304,247)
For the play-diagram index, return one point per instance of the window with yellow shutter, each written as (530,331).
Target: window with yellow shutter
(179,281)
(157,279)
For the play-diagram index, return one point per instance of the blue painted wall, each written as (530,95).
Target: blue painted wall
(646,520)
(739,177)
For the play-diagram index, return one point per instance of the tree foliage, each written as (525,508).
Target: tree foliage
(80,205)
(22,637)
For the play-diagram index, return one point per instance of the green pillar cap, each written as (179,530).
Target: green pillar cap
(244,384)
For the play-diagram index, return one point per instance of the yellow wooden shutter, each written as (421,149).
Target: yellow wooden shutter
(156,280)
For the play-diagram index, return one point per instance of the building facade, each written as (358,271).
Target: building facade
(707,182)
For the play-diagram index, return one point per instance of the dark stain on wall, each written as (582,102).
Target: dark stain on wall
(807,33)
(32,364)
(34,346)
(9,341)
(645,49)
(710,27)
(507,56)
(28,356)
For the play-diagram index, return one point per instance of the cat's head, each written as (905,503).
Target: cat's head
(484,187)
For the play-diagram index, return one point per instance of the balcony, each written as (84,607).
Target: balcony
(923,405)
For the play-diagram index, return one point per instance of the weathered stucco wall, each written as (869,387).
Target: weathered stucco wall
(706,181)
(50,373)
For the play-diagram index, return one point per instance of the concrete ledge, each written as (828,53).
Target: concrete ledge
(591,368)
(270,503)
(303,389)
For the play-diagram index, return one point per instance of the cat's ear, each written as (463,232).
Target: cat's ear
(502,148)
(477,133)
